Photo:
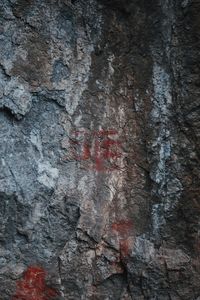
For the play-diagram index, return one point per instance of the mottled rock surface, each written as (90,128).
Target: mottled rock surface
(99,144)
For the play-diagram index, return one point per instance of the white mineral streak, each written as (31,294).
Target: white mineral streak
(160,174)
(160,114)
(157,218)
(47,174)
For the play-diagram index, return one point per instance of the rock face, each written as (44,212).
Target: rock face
(99,133)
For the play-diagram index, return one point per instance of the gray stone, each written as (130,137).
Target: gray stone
(99,144)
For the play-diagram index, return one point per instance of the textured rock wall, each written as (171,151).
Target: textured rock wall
(99,132)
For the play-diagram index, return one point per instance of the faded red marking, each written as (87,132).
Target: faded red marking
(98,150)
(108,151)
(33,286)
(86,152)
(124,248)
(123,229)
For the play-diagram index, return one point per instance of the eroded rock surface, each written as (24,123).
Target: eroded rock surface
(99,133)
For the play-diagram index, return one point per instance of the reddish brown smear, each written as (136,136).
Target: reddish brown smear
(108,152)
(124,248)
(123,228)
(104,148)
(33,286)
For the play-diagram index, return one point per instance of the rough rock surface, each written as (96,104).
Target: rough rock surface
(99,135)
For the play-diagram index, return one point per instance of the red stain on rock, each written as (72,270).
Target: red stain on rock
(33,286)
(108,152)
(124,247)
(123,229)
(96,146)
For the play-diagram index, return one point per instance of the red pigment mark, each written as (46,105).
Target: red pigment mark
(33,286)
(123,229)
(124,248)
(99,149)
(108,152)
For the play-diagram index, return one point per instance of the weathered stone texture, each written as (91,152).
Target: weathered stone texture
(120,77)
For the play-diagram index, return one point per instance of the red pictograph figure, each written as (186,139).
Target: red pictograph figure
(97,147)
(33,286)
(123,229)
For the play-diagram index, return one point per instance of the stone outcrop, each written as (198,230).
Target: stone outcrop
(99,134)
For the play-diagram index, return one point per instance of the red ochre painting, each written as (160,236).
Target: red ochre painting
(33,286)
(97,146)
